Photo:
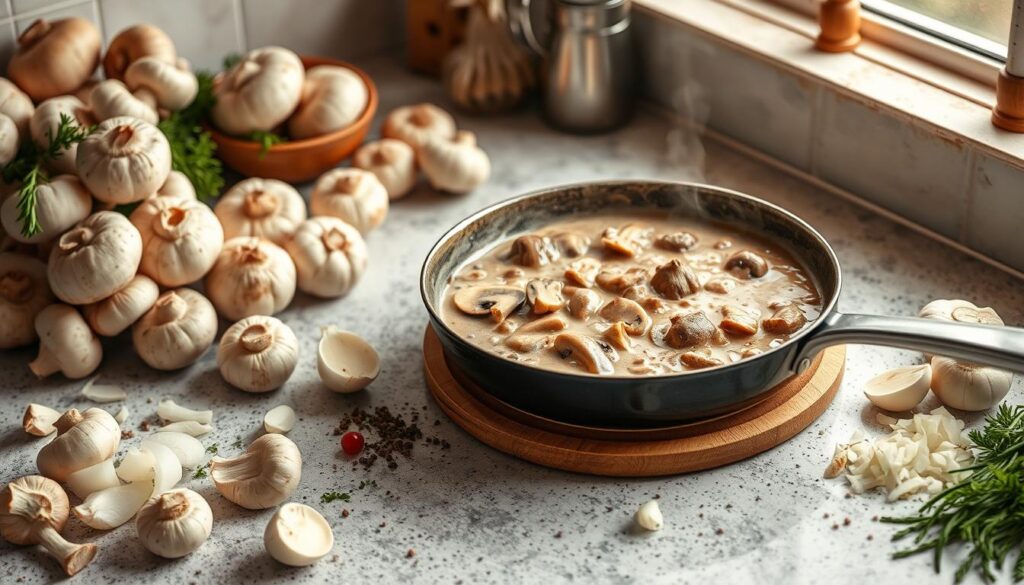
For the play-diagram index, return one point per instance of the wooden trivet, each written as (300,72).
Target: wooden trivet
(788,409)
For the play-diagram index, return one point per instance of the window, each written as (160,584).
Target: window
(982,26)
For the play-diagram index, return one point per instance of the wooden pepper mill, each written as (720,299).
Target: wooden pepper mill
(1008,112)
(840,26)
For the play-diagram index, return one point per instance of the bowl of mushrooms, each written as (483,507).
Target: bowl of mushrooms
(286,117)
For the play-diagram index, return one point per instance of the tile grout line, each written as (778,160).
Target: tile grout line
(238,9)
(37,12)
(816,114)
(98,11)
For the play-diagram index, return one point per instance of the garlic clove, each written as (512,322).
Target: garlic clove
(169,411)
(262,477)
(102,393)
(93,479)
(189,427)
(899,389)
(279,419)
(186,448)
(122,415)
(968,386)
(649,517)
(346,362)
(174,523)
(298,536)
(39,419)
(136,465)
(112,507)
(83,439)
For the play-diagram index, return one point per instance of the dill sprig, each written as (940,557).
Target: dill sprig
(985,511)
(28,168)
(193,151)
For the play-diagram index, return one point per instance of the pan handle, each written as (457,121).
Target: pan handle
(1001,347)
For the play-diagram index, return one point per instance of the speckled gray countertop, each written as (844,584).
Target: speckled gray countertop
(474,515)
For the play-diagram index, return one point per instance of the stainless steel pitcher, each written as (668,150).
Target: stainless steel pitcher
(587,69)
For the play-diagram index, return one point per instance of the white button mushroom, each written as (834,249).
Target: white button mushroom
(967,386)
(259,92)
(298,535)
(61,202)
(181,239)
(264,476)
(258,354)
(9,139)
(177,186)
(133,43)
(177,331)
(251,277)
(55,57)
(330,256)
(170,84)
(110,99)
(16,105)
(346,362)
(457,165)
(174,523)
(261,208)
(94,259)
(354,195)
(332,98)
(34,510)
(120,310)
(83,440)
(413,125)
(24,292)
(46,119)
(124,160)
(392,161)
(66,344)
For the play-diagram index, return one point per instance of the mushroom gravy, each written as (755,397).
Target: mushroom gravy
(642,296)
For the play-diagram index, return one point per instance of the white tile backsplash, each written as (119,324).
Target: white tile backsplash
(996,217)
(62,10)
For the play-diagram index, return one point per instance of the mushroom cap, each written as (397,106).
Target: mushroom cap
(94,259)
(45,121)
(261,208)
(133,43)
(262,477)
(181,239)
(415,124)
(61,202)
(330,256)
(354,195)
(333,98)
(168,523)
(56,57)
(251,277)
(110,99)
(24,292)
(93,436)
(258,354)
(117,312)
(172,83)
(28,501)
(259,92)
(346,362)
(392,161)
(176,331)
(124,160)
(65,338)
(16,105)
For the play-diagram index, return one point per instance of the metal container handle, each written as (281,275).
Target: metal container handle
(1001,347)
(521,25)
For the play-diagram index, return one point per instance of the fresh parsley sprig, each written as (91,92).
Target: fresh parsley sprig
(193,151)
(266,140)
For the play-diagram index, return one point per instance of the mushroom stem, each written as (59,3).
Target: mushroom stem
(16,287)
(335,240)
(166,223)
(260,203)
(73,557)
(170,308)
(45,364)
(67,420)
(256,338)
(75,238)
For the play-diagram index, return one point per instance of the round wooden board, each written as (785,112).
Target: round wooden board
(789,408)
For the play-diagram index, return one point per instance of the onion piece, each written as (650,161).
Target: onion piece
(169,411)
(114,506)
(279,419)
(189,427)
(102,393)
(185,447)
(136,465)
(122,415)
(39,419)
(167,467)
(93,479)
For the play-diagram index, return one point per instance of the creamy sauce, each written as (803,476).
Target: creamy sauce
(728,295)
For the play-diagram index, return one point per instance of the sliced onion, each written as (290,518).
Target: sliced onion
(122,415)
(186,448)
(167,468)
(189,427)
(114,506)
(93,479)
(103,393)
(169,411)
(279,419)
(136,465)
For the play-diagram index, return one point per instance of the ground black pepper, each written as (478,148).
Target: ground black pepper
(393,435)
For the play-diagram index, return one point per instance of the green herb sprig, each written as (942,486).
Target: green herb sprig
(985,511)
(193,151)
(266,140)
(329,497)
(28,168)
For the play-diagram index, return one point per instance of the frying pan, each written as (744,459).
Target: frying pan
(630,401)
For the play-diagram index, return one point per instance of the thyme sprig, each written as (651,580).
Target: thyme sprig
(985,511)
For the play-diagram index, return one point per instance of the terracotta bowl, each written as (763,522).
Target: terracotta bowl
(297,161)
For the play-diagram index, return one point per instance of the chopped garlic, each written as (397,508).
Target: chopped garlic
(649,516)
(102,393)
(920,456)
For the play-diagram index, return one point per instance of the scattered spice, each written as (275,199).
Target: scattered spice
(558,534)
(127,434)
(199,473)
(344,512)
(410,553)
(846,521)
(719,531)
(144,426)
(394,436)
(212,449)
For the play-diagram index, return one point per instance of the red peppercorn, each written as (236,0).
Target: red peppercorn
(352,443)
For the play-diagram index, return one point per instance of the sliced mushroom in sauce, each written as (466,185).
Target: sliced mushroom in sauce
(583,271)
(676,242)
(746,264)
(533,251)
(696,360)
(675,280)
(544,296)
(587,353)
(689,330)
(572,244)
(629,313)
(497,301)
(629,240)
(786,320)
(616,282)
(737,321)
(536,335)
(617,336)
(583,303)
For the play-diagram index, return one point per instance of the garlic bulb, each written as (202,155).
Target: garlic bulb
(34,510)
(169,84)
(353,195)
(124,160)
(298,536)
(177,186)
(413,125)
(16,105)
(264,476)
(490,71)
(66,344)
(261,208)
(649,516)
(332,98)
(251,277)
(46,119)
(54,58)
(181,239)
(968,386)
(259,92)
(9,140)
(177,331)
(330,256)
(24,292)
(120,310)
(174,523)
(134,43)
(110,99)
(258,354)
(960,311)
(392,161)
(61,202)
(94,259)
(456,165)
(83,440)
